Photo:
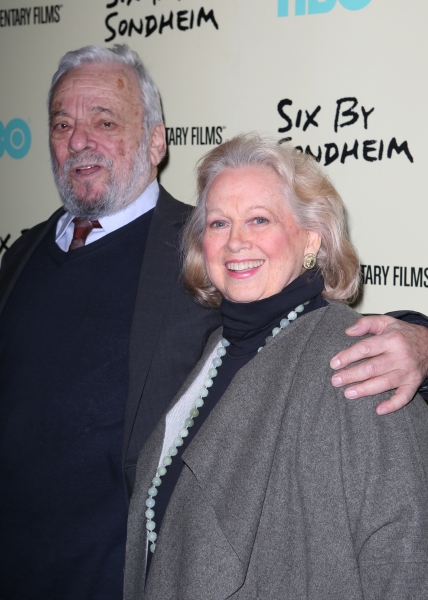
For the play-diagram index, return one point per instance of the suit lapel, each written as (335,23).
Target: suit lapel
(157,278)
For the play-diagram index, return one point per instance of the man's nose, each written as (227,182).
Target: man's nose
(82,138)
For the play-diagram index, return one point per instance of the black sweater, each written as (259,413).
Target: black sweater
(65,329)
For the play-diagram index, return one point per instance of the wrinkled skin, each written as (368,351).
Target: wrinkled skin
(253,246)
(394,358)
(97,139)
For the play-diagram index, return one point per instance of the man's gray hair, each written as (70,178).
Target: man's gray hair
(123,55)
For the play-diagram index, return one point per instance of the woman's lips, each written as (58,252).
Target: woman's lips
(244,265)
(243,268)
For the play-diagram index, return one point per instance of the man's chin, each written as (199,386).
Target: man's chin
(87,195)
(89,202)
(89,207)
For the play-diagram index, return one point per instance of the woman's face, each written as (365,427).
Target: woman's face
(252,245)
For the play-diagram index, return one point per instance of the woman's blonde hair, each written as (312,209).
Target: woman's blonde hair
(309,194)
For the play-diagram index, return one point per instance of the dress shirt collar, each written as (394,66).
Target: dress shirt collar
(110,223)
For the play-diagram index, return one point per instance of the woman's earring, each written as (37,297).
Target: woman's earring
(309,261)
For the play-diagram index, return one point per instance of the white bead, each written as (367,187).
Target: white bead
(153,491)
(299,308)
(208,382)
(225,343)
(172,451)
(284,323)
(212,372)
(276,330)
(217,361)
(203,392)
(161,471)
(150,503)
(183,432)
(150,525)
(156,481)
(152,548)
(167,460)
(292,316)
(199,402)
(152,536)
(221,351)
(150,513)
(178,441)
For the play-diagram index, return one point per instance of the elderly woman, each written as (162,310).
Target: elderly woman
(261,482)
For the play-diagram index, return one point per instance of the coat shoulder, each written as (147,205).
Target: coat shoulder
(318,335)
(336,318)
(340,313)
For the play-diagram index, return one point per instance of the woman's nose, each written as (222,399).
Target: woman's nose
(239,239)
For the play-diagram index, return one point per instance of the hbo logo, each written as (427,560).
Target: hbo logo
(15,138)
(313,7)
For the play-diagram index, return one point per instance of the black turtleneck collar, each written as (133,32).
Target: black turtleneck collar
(247,324)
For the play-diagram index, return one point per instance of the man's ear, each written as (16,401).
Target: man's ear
(157,146)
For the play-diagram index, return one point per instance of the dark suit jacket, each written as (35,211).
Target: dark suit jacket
(169,330)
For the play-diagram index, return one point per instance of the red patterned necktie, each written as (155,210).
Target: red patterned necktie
(82,228)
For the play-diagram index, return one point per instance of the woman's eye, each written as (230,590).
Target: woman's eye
(218,224)
(260,220)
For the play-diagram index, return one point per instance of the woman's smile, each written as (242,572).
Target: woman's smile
(243,268)
(252,245)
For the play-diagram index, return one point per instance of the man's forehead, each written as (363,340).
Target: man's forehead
(58,111)
(98,79)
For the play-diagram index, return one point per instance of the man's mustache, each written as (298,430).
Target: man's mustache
(86,158)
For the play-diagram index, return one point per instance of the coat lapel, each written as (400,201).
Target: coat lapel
(147,464)
(229,458)
(213,517)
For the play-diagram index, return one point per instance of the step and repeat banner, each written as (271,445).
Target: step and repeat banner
(345,80)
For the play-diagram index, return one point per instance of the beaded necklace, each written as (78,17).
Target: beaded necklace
(189,422)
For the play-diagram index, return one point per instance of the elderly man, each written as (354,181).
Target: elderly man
(97,335)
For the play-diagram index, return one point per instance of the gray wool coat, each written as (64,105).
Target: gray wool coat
(289,491)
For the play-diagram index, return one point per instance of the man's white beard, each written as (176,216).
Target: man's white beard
(119,191)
